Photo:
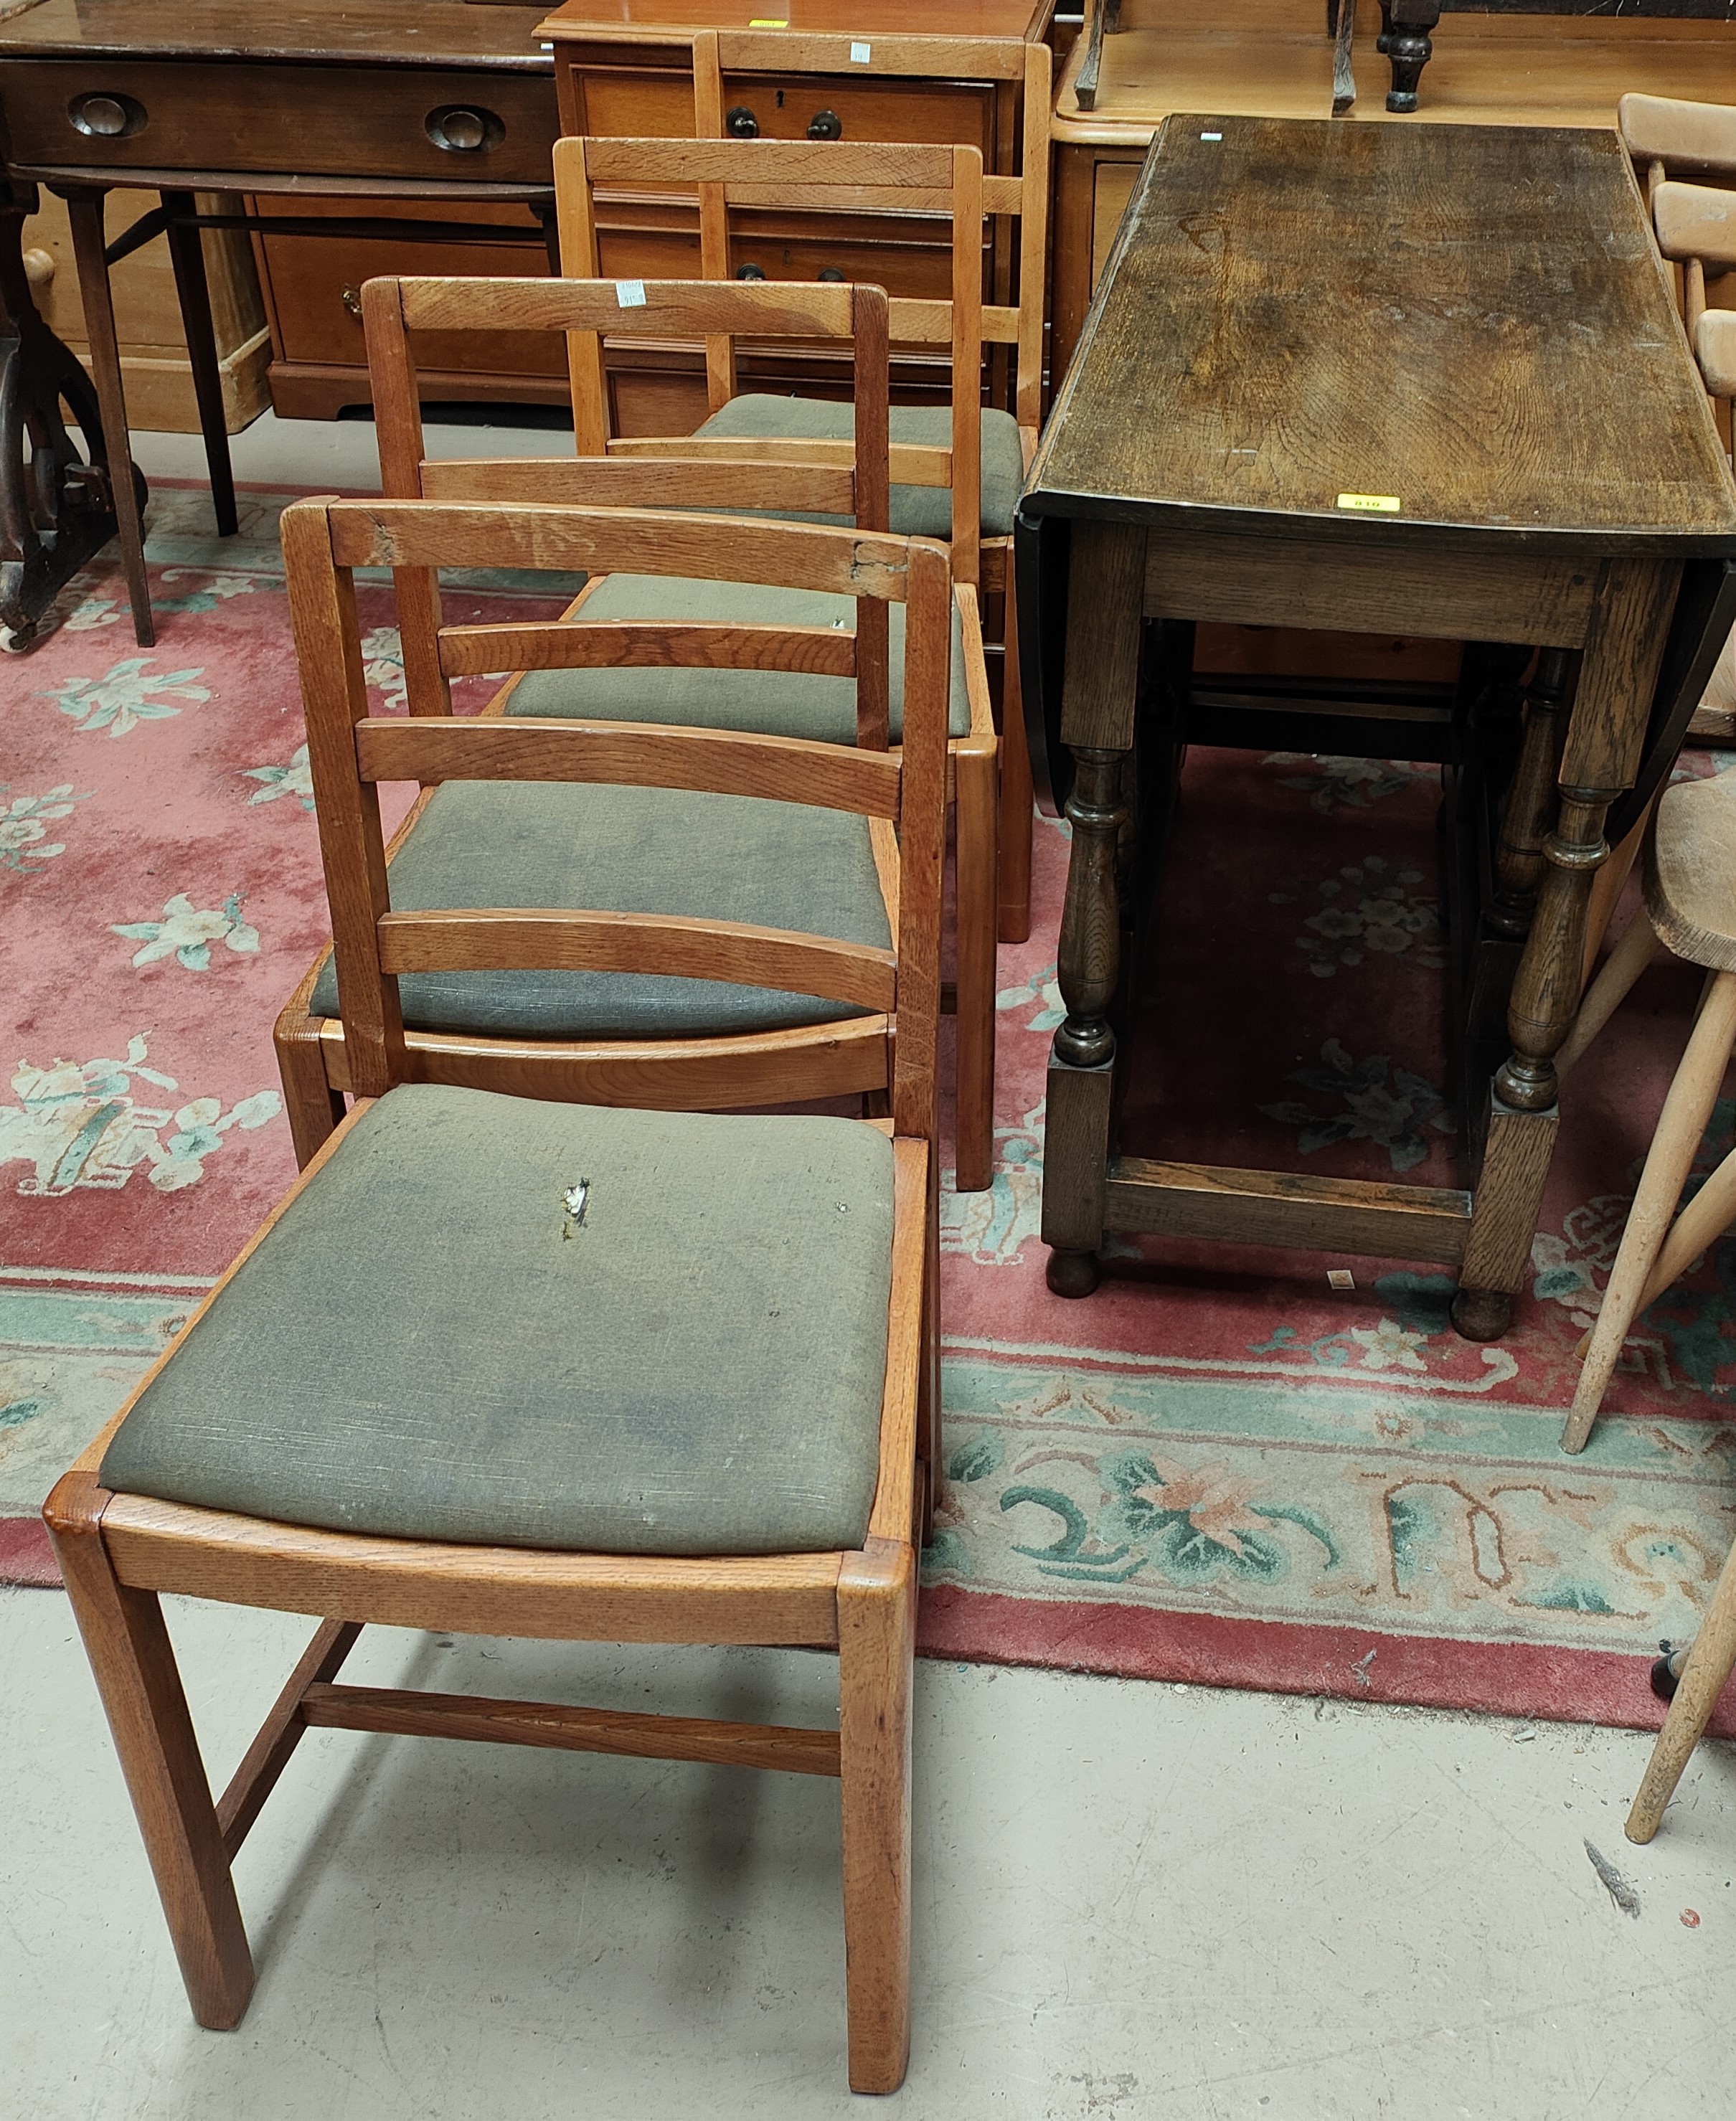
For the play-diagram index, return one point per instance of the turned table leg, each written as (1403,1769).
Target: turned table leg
(1606,731)
(1105,607)
(1408,47)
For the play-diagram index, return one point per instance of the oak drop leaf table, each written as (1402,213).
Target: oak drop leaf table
(1371,378)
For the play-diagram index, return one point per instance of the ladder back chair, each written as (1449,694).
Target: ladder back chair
(961,448)
(849,483)
(345,1430)
(561,1034)
(1688,907)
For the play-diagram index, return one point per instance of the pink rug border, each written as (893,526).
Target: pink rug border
(26,1557)
(1531,1681)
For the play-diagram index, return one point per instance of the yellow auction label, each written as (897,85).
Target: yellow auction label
(1372,504)
(768,22)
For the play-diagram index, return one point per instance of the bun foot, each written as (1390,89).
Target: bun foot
(1073,1273)
(1481,1314)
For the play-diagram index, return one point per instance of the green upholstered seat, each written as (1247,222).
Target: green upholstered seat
(627,849)
(917,511)
(425,1345)
(770,702)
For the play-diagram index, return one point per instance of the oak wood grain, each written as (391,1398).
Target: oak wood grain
(1471,320)
(815,651)
(1282,1208)
(411,1713)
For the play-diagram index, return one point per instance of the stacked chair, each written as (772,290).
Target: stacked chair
(538,1350)
(685,1043)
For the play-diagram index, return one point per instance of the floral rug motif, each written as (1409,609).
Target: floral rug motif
(1219,1467)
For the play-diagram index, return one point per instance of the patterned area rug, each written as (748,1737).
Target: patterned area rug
(1218,1468)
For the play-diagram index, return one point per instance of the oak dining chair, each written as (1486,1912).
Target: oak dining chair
(685,1043)
(851,484)
(510,1365)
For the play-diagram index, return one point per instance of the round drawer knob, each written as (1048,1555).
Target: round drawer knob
(104,117)
(463,128)
(741,123)
(825,125)
(350,297)
(39,268)
(830,273)
(750,271)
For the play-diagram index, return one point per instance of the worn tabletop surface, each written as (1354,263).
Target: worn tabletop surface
(377,32)
(1469,320)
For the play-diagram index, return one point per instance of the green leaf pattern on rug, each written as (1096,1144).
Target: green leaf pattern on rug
(295,778)
(186,933)
(78,1125)
(126,696)
(1385,1104)
(1353,1500)
(24,824)
(1370,907)
(1347,784)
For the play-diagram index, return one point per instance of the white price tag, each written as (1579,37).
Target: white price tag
(630,294)
(1211,136)
(1340,1277)
(862,54)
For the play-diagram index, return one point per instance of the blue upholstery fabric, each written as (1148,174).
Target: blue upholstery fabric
(428,1345)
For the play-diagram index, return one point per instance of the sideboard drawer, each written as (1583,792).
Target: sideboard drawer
(292,120)
(629,103)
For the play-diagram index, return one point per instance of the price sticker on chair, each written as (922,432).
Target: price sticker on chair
(1371,504)
(862,54)
(768,22)
(630,294)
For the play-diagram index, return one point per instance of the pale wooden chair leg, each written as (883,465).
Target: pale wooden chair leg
(313,1108)
(1018,798)
(1683,1122)
(1704,1220)
(975,1046)
(134,1665)
(1634,949)
(1709,1663)
(876,1627)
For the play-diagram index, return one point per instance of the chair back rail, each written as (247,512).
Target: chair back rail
(823,175)
(350,751)
(853,482)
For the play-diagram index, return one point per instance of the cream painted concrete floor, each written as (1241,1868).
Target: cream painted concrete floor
(1132,1901)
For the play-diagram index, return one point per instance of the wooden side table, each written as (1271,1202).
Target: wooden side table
(445,105)
(1363,377)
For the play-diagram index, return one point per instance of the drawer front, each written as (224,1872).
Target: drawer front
(313,121)
(625,104)
(314,285)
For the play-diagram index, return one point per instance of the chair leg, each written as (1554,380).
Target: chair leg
(134,1666)
(876,1628)
(1709,1663)
(1017,797)
(1683,1122)
(1635,950)
(314,1109)
(975,1048)
(1704,1220)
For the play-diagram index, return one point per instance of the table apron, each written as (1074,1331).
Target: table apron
(1234,578)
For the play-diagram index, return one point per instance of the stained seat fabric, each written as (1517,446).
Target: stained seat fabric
(429,1344)
(627,849)
(768,702)
(916,511)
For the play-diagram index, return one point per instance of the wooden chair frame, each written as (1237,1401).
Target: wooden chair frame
(837,479)
(762,1068)
(119,1552)
(843,176)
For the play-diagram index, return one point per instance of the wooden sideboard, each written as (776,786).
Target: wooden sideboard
(788,74)
(1272,58)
